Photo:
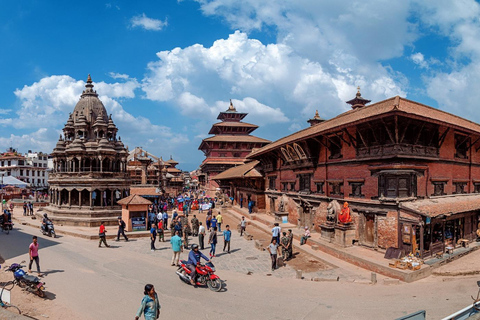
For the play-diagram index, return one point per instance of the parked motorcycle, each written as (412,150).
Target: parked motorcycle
(48,229)
(205,275)
(26,281)
(6,224)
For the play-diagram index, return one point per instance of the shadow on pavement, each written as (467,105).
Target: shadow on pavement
(16,243)
(50,295)
(46,273)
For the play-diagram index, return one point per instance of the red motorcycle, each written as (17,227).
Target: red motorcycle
(205,275)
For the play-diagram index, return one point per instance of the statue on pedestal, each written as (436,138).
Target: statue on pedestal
(344,216)
(281,205)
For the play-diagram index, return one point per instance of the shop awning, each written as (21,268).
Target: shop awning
(12,181)
(446,205)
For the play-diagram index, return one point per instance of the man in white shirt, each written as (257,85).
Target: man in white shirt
(276,232)
(201,235)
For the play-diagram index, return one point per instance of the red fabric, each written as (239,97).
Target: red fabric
(344,216)
(102,229)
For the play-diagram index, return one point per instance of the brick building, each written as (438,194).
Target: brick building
(410,173)
(228,147)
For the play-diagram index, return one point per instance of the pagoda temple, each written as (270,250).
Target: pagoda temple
(228,147)
(89,167)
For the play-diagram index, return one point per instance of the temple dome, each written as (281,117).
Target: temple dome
(90,105)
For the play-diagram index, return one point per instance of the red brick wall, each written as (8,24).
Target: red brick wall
(387,230)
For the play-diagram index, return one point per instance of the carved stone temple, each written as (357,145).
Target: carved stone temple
(89,174)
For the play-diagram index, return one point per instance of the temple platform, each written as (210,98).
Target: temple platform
(82,216)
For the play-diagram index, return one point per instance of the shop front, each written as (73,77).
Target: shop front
(443,225)
(134,212)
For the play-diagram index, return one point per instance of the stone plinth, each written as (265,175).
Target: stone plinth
(327,232)
(280,214)
(344,235)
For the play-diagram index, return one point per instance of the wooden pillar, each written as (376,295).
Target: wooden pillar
(91,164)
(91,203)
(422,230)
(80,198)
(69,197)
(112,195)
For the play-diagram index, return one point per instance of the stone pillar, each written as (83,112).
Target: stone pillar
(70,197)
(101,164)
(91,164)
(73,165)
(91,204)
(80,198)
(112,193)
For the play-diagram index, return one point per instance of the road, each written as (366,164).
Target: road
(107,283)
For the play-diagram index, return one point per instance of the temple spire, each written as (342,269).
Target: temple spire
(231,108)
(358,101)
(316,119)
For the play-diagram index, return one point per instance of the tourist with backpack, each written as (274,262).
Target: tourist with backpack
(121,229)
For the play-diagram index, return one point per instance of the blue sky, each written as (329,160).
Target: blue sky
(164,69)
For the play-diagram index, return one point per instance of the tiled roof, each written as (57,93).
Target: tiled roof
(351,117)
(244,170)
(134,199)
(447,205)
(234,124)
(234,161)
(236,138)
(144,191)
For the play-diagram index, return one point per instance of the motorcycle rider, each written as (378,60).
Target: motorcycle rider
(44,222)
(194,258)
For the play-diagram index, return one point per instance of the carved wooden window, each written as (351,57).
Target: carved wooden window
(284,186)
(292,186)
(335,147)
(292,152)
(336,188)
(397,186)
(271,183)
(461,146)
(476,187)
(459,187)
(300,152)
(304,182)
(357,189)
(286,154)
(319,187)
(439,188)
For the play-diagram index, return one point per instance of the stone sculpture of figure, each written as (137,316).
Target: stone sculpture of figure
(332,209)
(281,206)
(344,216)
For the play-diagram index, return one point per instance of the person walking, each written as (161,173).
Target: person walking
(176,243)
(250,206)
(186,232)
(212,240)
(241,202)
(33,253)
(227,234)
(243,226)
(172,227)
(121,229)
(194,226)
(201,236)
(208,220)
(102,234)
(150,307)
(153,237)
(165,220)
(276,232)
(161,235)
(219,221)
(178,227)
(273,250)
(213,223)
(290,244)
(284,243)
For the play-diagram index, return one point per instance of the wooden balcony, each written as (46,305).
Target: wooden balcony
(400,149)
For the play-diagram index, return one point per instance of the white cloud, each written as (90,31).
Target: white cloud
(115,75)
(147,23)
(45,106)
(5,111)
(260,75)
(419,60)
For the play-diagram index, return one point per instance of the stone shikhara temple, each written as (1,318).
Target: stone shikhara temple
(409,172)
(89,174)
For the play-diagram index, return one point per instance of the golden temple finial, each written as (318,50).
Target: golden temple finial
(358,91)
(89,79)
(317,116)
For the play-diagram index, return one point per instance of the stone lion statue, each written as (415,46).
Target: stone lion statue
(333,209)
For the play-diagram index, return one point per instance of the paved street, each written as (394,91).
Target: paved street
(107,283)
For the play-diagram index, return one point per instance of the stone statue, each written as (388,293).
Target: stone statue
(332,209)
(281,206)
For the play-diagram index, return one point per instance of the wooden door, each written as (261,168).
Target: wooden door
(370,230)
